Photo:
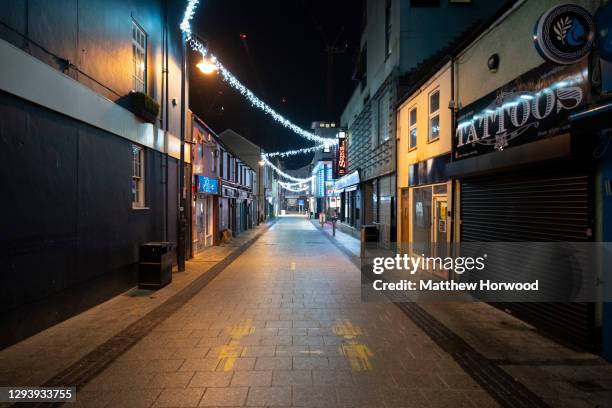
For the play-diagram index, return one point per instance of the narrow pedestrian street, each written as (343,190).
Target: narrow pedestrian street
(283,325)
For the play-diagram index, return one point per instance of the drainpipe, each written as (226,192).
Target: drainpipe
(453,124)
(164,117)
(180,253)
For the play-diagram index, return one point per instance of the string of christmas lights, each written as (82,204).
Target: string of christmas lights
(236,84)
(290,187)
(298,151)
(285,175)
(292,184)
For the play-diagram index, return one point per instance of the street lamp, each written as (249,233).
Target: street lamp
(262,163)
(207,66)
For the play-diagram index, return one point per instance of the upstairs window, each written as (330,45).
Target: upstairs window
(388,44)
(412,128)
(139,58)
(434,115)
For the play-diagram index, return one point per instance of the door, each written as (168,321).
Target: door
(208,237)
(440,232)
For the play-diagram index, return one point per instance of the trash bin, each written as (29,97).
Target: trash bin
(155,268)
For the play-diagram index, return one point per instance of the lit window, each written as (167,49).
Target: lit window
(412,128)
(137,177)
(139,58)
(434,115)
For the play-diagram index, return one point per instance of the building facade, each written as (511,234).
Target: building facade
(91,151)
(205,189)
(250,154)
(397,36)
(424,135)
(237,203)
(523,171)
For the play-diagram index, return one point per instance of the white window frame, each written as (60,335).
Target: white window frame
(413,126)
(138,177)
(433,115)
(139,58)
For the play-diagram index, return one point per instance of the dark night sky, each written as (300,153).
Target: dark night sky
(283,58)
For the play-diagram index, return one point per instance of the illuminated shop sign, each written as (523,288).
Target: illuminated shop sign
(341,160)
(532,107)
(207,185)
(321,181)
(564,34)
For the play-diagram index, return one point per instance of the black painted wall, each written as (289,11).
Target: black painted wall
(68,234)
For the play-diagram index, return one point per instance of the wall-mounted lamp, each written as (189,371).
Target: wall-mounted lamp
(493,63)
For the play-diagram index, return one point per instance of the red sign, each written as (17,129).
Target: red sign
(341,160)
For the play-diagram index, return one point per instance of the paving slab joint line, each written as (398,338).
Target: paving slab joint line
(502,387)
(93,363)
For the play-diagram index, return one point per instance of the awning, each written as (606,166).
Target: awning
(349,180)
(593,117)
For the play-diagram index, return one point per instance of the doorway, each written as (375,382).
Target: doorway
(440,244)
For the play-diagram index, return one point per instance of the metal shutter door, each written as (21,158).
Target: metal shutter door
(533,207)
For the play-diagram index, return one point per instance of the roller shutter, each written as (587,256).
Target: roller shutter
(534,206)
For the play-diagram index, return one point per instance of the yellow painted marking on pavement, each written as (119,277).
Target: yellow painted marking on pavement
(228,354)
(241,330)
(358,356)
(346,329)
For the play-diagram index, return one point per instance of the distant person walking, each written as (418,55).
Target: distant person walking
(322,218)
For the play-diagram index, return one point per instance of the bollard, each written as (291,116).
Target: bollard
(362,242)
(334,228)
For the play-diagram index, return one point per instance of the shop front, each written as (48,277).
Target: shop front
(227,209)
(204,212)
(426,208)
(526,175)
(347,188)
(241,212)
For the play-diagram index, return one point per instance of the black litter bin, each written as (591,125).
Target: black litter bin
(155,269)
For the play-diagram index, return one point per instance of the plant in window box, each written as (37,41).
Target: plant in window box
(144,106)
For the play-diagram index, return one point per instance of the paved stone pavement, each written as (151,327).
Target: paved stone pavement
(559,375)
(35,360)
(283,325)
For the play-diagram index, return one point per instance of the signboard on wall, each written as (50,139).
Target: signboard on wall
(534,106)
(341,163)
(564,34)
(206,185)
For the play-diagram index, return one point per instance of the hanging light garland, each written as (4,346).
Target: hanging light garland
(295,152)
(285,175)
(293,184)
(236,84)
(293,187)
